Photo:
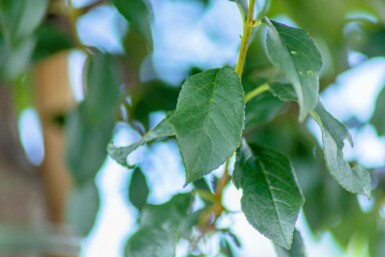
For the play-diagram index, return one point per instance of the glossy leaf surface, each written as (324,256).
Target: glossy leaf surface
(294,52)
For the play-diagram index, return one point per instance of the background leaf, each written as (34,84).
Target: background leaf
(375,43)
(50,40)
(17,59)
(89,127)
(209,120)
(297,249)
(285,92)
(378,118)
(21,18)
(137,14)
(156,96)
(294,52)
(204,2)
(356,179)
(262,109)
(82,207)
(226,248)
(271,195)
(159,231)
(204,191)
(138,189)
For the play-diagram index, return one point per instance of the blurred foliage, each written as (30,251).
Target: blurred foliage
(89,127)
(82,208)
(138,189)
(30,32)
(378,119)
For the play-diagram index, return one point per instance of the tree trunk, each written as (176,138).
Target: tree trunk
(32,201)
(54,98)
(22,201)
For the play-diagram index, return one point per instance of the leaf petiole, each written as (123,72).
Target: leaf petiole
(257,91)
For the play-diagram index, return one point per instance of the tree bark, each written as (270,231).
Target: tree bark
(22,201)
(54,99)
(32,200)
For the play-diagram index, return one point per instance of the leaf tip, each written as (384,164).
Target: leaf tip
(266,20)
(114,153)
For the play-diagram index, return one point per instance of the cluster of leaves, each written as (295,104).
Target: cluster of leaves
(208,123)
(215,114)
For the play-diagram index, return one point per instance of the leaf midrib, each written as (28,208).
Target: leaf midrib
(262,166)
(207,116)
(335,172)
(296,74)
(296,68)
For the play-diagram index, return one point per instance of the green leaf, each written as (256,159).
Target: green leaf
(187,227)
(378,118)
(243,7)
(233,238)
(209,120)
(156,96)
(89,127)
(375,43)
(120,154)
(102,87)
(86,143)
(19,240)
(204,2)
(20,18)
(294,52)
(201,184)
(335,128)
(284,92)
(17,59)
(356,179)
(160,228)
(271,197)
(82,207)
(226,248)
(50,40)
(138,189)
(297,249)
(137,14)
(204,191)
(262,109)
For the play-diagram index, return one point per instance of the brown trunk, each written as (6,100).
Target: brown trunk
(54,99)
(22,202)
(21,195)
(32,201)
